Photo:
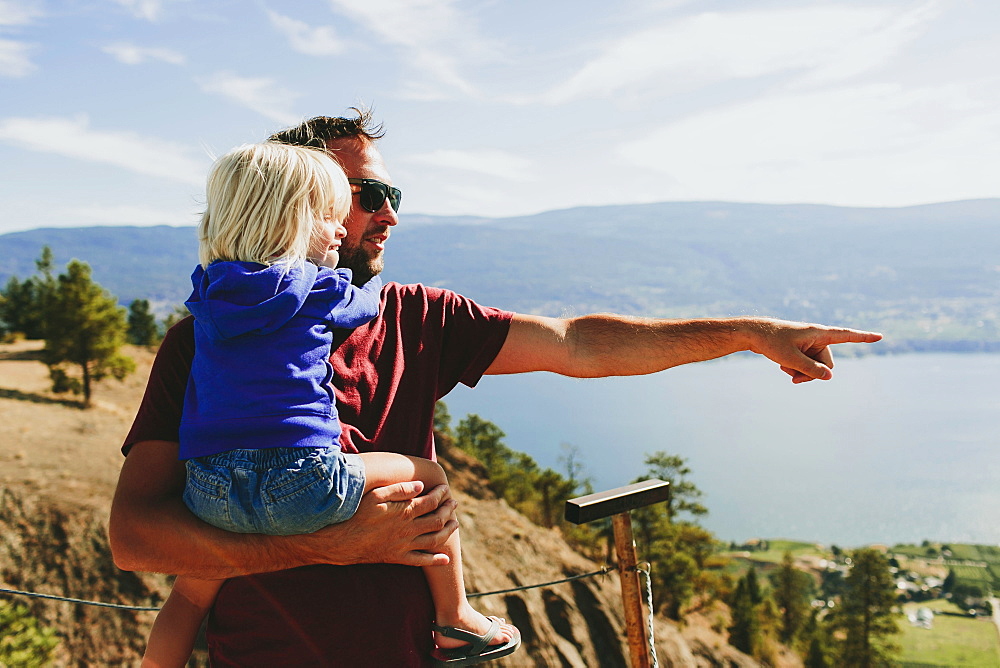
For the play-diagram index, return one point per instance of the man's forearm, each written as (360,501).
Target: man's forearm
(602,345)
(613,345)
(606,345)
(152,530)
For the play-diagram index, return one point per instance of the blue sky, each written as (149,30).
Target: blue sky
(111,110)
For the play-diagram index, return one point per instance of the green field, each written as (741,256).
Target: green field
(955,641)
(777,547)
(960,559)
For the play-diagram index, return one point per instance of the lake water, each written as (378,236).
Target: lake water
(893,449)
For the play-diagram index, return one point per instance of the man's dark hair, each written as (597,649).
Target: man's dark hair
(317,131)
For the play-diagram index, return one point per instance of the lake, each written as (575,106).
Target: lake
(893,449)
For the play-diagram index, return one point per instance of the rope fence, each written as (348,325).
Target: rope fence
(644,569)
(79,601)
(603,571)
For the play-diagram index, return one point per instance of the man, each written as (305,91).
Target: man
(285,604)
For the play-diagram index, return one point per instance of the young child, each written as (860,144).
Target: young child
(259,431)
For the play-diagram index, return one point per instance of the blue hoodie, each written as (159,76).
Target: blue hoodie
(261,371)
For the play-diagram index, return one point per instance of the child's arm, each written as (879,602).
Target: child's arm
(176,627)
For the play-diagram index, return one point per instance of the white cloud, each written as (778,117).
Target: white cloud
(435,36)
(149,10)
(305,38)
(126,214)
(259,94)
(72,137)
(18,13)
(489,162)
(131,54)
(873,145)
(14,61)
(830,41)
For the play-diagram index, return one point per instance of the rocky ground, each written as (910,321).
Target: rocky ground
(58,466)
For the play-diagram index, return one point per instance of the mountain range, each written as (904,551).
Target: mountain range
(927,276)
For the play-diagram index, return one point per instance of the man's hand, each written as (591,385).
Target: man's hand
(394,525)
(802,350)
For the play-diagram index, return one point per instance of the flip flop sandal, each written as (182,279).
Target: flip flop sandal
(478,650)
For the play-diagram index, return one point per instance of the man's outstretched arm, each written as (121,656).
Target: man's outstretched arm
(596,346)
(152,530)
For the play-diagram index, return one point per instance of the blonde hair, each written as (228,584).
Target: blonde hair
(264,202)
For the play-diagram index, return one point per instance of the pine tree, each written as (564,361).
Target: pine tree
(676,546)
(442,419)
(791,594)
(865,617)
(24,304)
(683,493)
(553,490)
(85,328)
(745,631)
(753,586)
(814,640)
(142,329)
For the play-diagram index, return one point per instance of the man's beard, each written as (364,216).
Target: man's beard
(363,267)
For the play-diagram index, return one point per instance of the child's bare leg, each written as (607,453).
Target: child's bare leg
(446,583)
(176,627)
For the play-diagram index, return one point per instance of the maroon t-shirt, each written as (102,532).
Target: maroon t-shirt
(388,374)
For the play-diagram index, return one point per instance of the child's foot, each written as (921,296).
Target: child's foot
(499,640)
(474,622)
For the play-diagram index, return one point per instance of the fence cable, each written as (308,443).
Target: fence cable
(139,608)
(604,571)
(80,601)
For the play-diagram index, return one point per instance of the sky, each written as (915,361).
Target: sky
(111,111)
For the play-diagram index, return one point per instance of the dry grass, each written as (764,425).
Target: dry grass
(48,444)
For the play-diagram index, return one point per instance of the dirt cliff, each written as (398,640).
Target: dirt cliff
(58,465)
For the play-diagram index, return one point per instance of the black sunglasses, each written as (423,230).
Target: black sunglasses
(374,193)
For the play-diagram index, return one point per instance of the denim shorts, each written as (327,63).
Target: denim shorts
(275,491)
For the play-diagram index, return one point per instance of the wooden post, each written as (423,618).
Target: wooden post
(616,504)
(635,621)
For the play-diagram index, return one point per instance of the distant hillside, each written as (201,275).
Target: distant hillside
(928,276)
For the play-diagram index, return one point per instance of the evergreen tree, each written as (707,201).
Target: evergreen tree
(791,593)
(572,461)
(516,477)
(19,309)
(676,546)
(816,654)
(865,616)
(949,581)
(753,586)
(86,328)
(745,632)
(444,437)
(683,493)
(553,490)
(513,475)
(142,328)
(442,419)
(814,641)
(484,440)
(24,304)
